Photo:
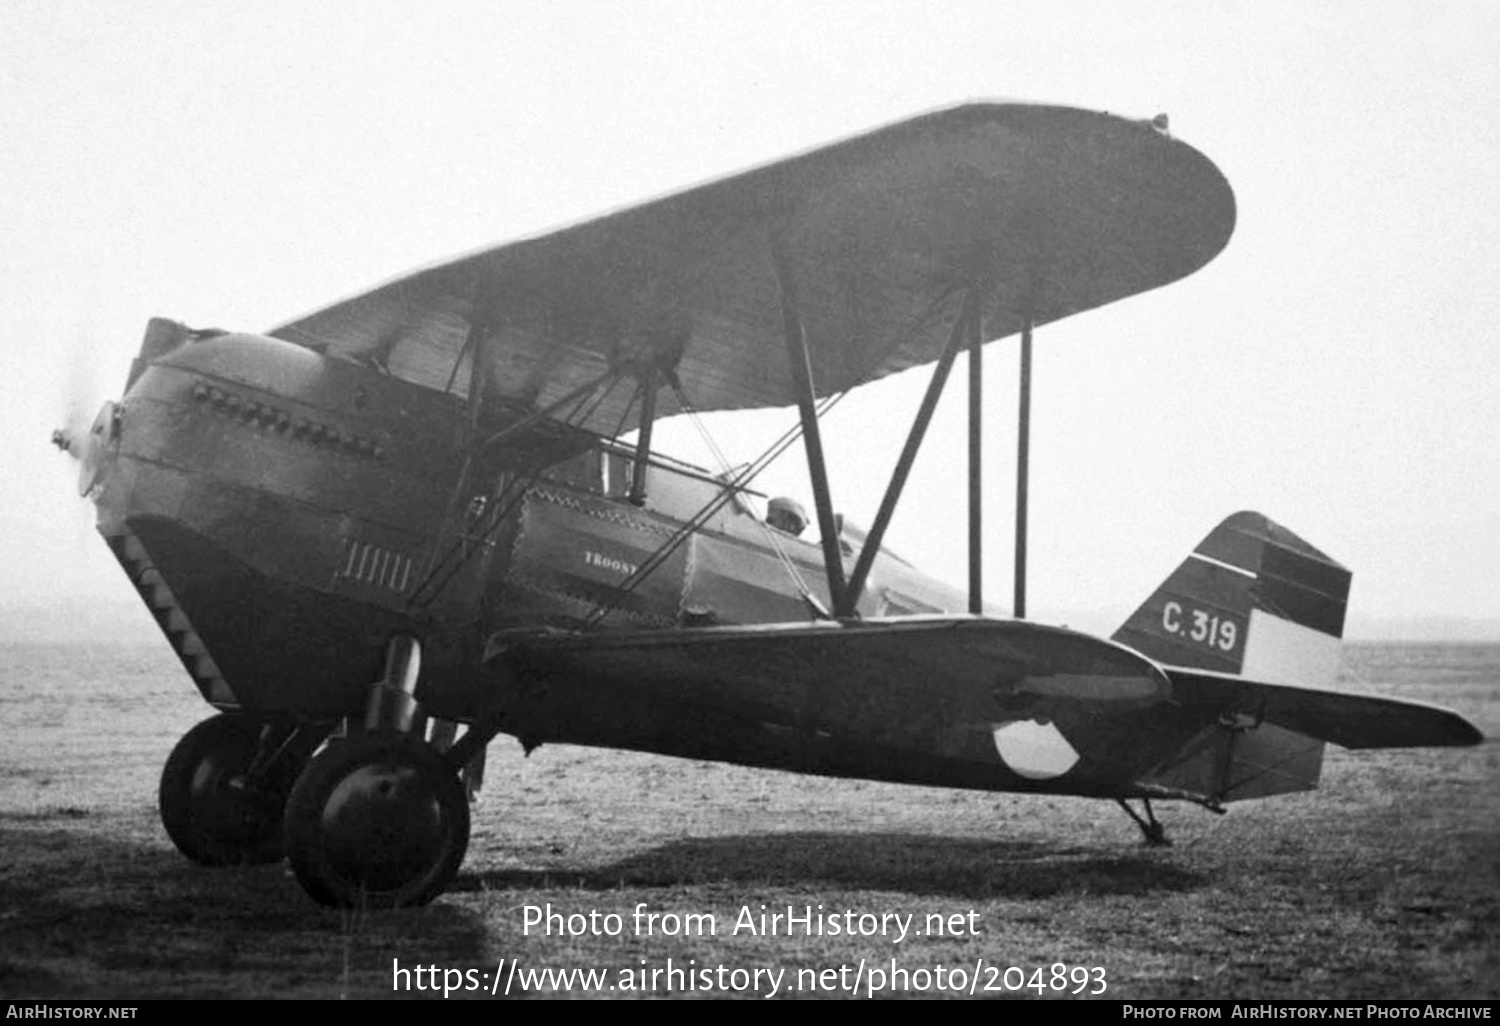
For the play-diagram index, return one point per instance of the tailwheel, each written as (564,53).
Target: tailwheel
(224,787)
(376,820)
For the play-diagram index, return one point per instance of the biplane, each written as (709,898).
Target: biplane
(383,533)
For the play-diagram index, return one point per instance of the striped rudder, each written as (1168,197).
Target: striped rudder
(1252,599)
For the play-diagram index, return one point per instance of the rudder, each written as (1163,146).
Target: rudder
(1252,599)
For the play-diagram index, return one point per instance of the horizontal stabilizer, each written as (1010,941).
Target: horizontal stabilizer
(1351,721)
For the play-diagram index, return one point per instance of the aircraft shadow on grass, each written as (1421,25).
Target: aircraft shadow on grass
(86,913)
(918,865)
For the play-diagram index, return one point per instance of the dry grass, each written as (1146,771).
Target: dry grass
(1385,884)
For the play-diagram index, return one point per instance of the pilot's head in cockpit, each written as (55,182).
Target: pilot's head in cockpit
(786,515)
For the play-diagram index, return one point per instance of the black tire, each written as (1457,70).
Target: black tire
(214,810)
(376,820)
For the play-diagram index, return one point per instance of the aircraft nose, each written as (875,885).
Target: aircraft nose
(95,450)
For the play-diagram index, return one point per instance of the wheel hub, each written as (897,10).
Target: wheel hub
(227,805)
(383,826)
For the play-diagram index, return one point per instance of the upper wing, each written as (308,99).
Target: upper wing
(1058,210)
(1353,721)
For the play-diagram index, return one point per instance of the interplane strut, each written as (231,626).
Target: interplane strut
(968,315)
(812,440)
(1023,456)
(976,465)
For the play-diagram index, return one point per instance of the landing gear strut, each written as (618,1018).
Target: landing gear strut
(225,784)
(1155,834)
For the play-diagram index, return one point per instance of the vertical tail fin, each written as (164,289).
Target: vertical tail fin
(1251,599)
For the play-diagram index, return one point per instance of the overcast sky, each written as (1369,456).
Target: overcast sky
(234,165)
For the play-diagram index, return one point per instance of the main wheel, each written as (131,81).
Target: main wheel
(376,820)
(223,789)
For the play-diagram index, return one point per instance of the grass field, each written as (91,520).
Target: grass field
(1383,884)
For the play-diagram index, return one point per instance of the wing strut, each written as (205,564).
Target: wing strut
(812,440)
(572,396)
(648,387)
(478,346)
(976,502)
(1023,456)
(968,314)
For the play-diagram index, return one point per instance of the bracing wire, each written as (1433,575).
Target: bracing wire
(725,473)
(505,500)
(730,488)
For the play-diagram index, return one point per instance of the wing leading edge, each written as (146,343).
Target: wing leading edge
(1052,210)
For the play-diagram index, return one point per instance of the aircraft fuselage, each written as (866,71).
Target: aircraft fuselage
(286,514)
